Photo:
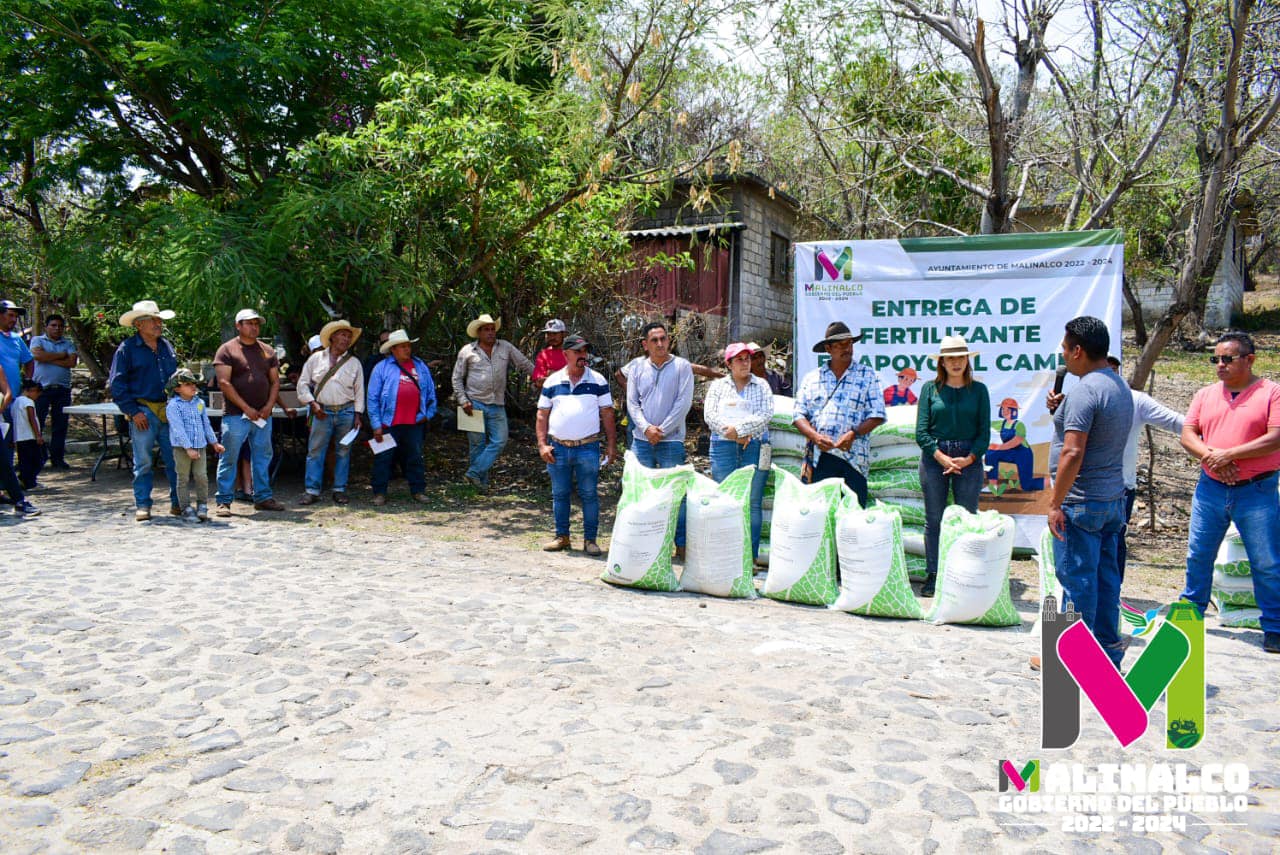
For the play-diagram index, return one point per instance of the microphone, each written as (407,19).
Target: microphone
(1058,377)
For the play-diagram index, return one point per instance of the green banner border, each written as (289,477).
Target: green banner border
(1028,240)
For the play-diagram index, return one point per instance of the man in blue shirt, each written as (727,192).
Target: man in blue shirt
(55,356)
(14,354)
(142,365)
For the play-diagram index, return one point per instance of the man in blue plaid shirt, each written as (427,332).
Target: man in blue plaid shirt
(838,405)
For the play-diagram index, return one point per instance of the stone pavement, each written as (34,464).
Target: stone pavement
(269,685)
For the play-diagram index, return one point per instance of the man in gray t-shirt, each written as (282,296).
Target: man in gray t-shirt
(1086,512)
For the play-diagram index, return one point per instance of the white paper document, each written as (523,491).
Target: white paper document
(350,436)
(473,423)
(259,423)
(387,443)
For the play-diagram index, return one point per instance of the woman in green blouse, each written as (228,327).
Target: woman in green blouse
(953,427)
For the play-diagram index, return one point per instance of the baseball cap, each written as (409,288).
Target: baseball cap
(575,342)
(554,325)
(247,315)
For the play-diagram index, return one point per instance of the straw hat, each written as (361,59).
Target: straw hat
(145,309)
(474,327)
(836,331)
(954,345)
(397,337)
(332,327)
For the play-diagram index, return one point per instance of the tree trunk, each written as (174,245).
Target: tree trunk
(1135,309)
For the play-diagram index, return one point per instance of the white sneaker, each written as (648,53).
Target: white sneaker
(189,514)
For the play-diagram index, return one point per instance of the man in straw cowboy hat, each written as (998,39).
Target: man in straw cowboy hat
(480,383)
(331,386)
(249,378)
(141,367)
(402,398)
(837,406)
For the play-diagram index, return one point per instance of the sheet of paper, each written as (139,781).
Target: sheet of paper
(350,437)
(259,423)
(388,442)
(473,423)
(4,428)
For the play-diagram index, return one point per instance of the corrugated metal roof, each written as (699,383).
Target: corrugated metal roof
(678,231)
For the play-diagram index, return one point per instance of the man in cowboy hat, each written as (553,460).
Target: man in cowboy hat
(331,386)
(837,406)
(551,358)
(142,365)
(574,405)
(778,383)
(249,377)
(480,383)
(402,398)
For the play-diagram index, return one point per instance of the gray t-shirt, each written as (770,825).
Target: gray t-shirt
(1101,406)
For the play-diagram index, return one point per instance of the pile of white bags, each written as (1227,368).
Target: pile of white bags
(974,553)
(894,476)
(1232,589)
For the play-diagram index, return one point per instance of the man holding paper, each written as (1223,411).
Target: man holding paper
(480,386)
(402,397)
(332,387)
(249,378)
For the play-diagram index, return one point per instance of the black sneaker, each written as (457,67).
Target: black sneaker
(27,509)
(928,588)
(1271,642)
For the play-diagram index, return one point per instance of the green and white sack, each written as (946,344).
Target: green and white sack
(802,547)
(790,465)
(974,552)
(784,413)
(903,483)
(1232,590)
(898,455)
(1247,617)
(917,566)
(873,569)
(899,426)
(1232,560)
(912,540)
(911,510)
(788,443)
(718,536)
(644,530)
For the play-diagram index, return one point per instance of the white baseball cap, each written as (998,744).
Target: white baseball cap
(554,325)
(247,315)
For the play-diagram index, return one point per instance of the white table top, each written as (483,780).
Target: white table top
(110,408)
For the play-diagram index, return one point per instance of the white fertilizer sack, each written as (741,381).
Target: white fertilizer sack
(787,443)
(1241,616)
(1233,590)
(644,530)
(911,510)
(913,539)
(784,413)
(896,483)
(718,536)
(974,552)
(1232,560)
(802,554)
(897,455)
(899,426)
(873,569)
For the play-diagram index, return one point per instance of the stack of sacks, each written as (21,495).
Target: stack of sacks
(894,480)
(1232,589)
(644,530)
(788,456)
(974,552)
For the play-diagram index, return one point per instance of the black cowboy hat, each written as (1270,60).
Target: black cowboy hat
(836,331)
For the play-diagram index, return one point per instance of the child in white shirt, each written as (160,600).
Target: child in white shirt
(28,440)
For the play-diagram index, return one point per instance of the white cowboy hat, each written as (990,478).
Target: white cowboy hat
(474,326)
(145,309)
(954,345)
(332,327)
(397,337)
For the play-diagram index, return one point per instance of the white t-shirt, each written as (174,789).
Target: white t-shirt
(575,407)
(21,421)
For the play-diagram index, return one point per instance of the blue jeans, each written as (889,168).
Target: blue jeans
(663,455)
(333,427)
(143,441)
(1088,568)
(55,399)
(582,462)
(1255,510)
(966,487)
(408,451)
(236,431)
(485,447)
(729,457)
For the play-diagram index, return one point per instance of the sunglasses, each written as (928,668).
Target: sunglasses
(1225,360)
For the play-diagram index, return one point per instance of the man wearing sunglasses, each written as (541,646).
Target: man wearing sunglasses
(1233,428)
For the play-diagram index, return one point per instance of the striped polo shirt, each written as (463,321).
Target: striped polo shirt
(575,407)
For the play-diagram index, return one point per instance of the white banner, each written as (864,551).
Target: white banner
(1010,296)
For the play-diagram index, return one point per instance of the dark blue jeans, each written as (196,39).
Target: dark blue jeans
(54,400)
(408,451)
(966,487)
(663,455)
(1088,569)
(583,463)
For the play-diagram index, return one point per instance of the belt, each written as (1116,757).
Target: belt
(1255,479)
(574,443)
(948,445)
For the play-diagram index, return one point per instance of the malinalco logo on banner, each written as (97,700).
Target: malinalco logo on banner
(1010,297)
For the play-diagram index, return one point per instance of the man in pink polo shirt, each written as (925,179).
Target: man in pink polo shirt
(1233,428)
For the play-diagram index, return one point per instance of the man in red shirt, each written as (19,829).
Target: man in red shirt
(551,358)
(1233,428)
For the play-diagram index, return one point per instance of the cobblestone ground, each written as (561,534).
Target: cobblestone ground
(271,685)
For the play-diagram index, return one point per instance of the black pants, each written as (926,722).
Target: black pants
(830,466)
(1123,552)
(53,400)
(408,453)
(8,478)
(31,458)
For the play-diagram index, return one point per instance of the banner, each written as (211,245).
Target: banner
(1010,296)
